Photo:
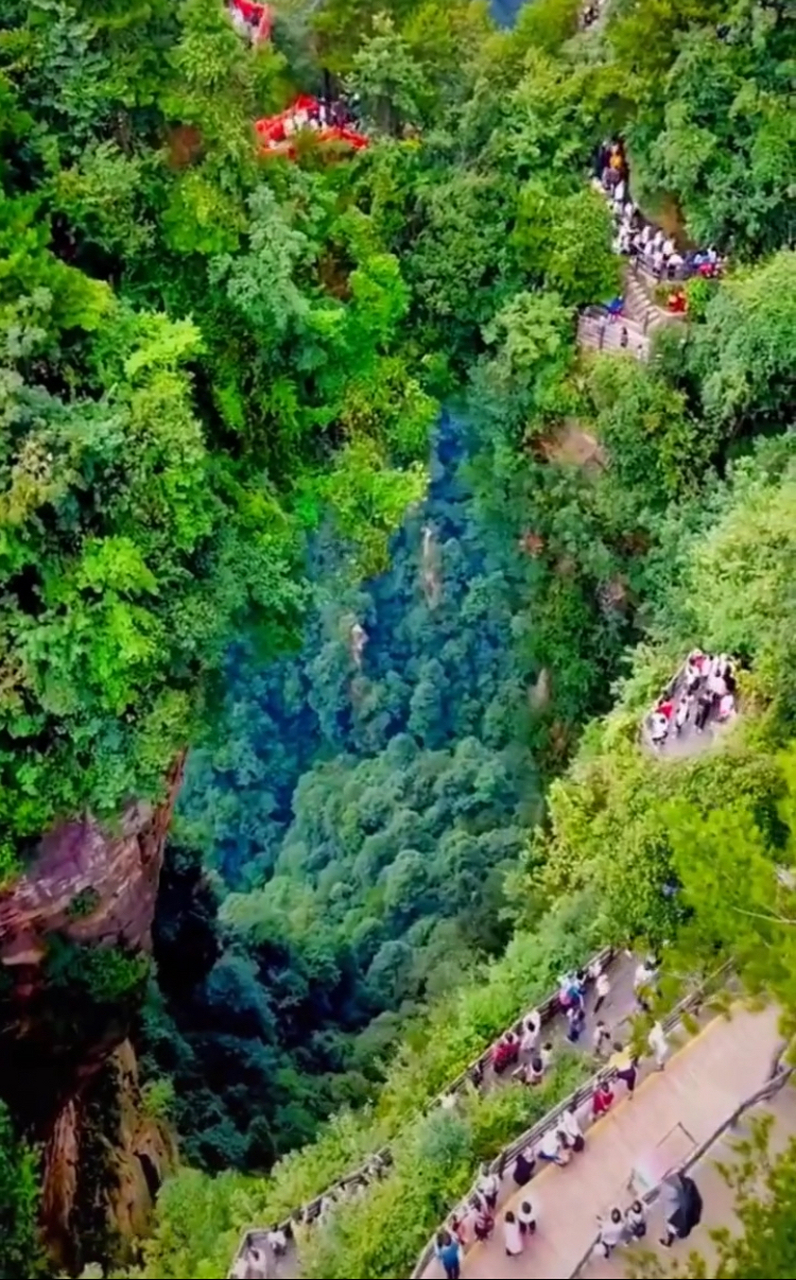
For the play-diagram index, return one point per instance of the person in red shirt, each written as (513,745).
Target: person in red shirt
(601,1099)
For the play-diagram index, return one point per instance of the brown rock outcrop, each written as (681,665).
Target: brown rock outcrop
(104,1163)
(88,889)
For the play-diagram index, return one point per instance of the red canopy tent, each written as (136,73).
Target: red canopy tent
(257,15)
(275,134)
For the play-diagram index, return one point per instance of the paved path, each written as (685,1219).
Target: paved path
(616,1009)
(672,1113)
(718,1199)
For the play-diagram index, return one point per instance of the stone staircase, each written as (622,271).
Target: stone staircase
(600,333)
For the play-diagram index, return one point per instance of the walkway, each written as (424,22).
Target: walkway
(618,1007)
(672,1113)
(718,1199)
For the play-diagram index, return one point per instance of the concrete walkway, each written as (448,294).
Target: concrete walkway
(634,1145)
(718,1199)
(616,1010)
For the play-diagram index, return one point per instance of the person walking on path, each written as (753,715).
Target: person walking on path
(658,1044)
(612,1233)
(512,1236)
(602,988)
(450,1255)
(489,1186)
(624,1065)
(636,1220)
(601,1037)
(526,1219)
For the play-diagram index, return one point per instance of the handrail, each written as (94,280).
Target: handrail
(574,1100)
(768,1090)
(378,1160)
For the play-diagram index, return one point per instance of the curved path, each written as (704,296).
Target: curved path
(619,1006)
(718,1199)
(673,1112)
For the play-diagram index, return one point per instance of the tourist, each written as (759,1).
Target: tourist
(457,1225)
(624,1065)
(570,1127)
(643,982)
(531,1028)
(546,1054)
(575,1020)
(524,1166)
(704,706)
(449,1253)
(552,1148)
(612,1232)
(505,1052)
(600,1038)
(483,1221)
(512,1237)
(277,1241)
(659,728)
(682,1207)
(602,988)
(526,1219)
(683,712)
(636,1220)
(623,337)
(658,1044)
(602,1098)
(488,1185)
(533,1074)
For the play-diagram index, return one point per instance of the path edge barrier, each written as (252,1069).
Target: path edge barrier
(576,1099)
(768,1090)
(255,1237)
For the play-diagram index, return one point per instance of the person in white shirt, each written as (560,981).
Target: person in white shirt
(636,1219)
(602,989)
(488,1185)
(546,1055)
(526,1218)
(277,1241)
(552,1149)
(530,1032)
(600,1038)
(612,1232)
(659,727)
(512,1237)
(658,1044)
(570,1127)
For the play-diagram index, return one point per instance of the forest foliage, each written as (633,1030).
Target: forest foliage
(233,515)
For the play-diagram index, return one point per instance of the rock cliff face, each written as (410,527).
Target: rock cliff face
(104,1163)
(71,929)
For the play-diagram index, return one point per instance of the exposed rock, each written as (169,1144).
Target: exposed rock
(88,891)
(104,1163)
(539,692)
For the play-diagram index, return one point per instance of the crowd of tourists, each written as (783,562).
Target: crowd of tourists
(636,238)
(519,1049)
(704,693)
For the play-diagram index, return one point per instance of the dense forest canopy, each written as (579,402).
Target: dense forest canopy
(302,467)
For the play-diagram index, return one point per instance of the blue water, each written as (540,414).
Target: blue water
(505,11)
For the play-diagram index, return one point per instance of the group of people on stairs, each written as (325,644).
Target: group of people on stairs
(635,237)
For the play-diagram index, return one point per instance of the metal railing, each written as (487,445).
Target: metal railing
(768,1090)
(575,1100)
(380,1160)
